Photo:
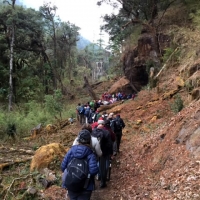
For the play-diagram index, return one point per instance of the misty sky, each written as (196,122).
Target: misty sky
(83,13)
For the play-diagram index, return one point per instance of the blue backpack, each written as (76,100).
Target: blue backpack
(82,110)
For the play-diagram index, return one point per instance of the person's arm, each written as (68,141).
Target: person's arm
(96,146)
(66,160)
(123,124)
(92,163)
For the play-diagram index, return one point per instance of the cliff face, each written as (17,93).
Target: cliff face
(136,62)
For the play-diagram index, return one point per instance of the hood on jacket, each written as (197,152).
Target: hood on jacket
(80,151)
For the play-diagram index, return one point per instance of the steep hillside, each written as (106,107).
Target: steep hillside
(159,156)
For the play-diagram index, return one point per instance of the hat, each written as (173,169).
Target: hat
(110,115)
(100,121)
(84,137)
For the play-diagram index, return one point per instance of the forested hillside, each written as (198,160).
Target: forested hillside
(155,46)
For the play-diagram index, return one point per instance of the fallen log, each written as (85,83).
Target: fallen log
(3,165)
(108,107)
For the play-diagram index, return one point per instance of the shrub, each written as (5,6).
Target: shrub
(53,103)
(177,105)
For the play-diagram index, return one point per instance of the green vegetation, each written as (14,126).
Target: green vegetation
(171,55)
(177,105)
(30,115)
(54,104)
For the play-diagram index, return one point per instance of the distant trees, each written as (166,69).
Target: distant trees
(131,13)
(40,49)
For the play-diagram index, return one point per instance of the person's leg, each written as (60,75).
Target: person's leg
(85,195)
(103,172)
(77,117)
(86,120)
(81,119)
(73,195)
(115,148)
(119,141)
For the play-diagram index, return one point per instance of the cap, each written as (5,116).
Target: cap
(84,137)
(100,121)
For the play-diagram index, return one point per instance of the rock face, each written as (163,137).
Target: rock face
(138,61)
(47,154)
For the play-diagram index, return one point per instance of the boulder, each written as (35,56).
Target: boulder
(47,154)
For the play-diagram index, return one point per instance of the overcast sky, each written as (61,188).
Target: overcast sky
(83,13)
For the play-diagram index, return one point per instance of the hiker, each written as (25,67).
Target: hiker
(108,128)
(119,96)
(81,114)
(96,105)
(91,104)
(92,116)
(77,112)
(79,188)
(113,127)
(119,125)
(106,147)
(87,113)
(96,123)
(95,144)
(104,115)
(98,115)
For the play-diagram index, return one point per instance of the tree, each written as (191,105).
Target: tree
(12,40)
(67,39)
(131,13)
(30,58)
(49,14)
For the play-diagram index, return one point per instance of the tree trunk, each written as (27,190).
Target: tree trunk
(55,55)
(11,69)
(89,88)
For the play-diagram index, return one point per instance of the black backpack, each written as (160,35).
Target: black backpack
(118,124)
(98,133)
(76,174)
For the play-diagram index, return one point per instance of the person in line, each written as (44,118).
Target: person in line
(113,127)
(95,144)
(107,151)
(108,128)
(82,151)
(87,113)
(119,125)
(77,112)
(82,114)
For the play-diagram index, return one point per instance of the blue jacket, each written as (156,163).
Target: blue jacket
(82,151)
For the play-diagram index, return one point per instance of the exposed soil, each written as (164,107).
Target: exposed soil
(151,164)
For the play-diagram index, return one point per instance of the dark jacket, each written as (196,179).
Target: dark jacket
(105,140)
(116,129)
(112,134)
(82,151)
